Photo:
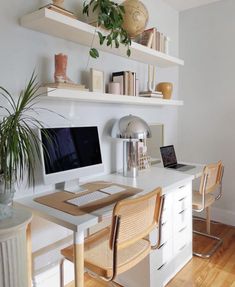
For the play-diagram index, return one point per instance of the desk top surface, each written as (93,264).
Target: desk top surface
(147,180)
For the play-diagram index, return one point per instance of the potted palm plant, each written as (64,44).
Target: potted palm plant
(19,145)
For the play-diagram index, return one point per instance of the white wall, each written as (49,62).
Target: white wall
(206,131)
(22,50)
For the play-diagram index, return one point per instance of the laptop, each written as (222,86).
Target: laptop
(170,161)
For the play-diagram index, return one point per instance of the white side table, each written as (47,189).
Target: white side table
(15,257)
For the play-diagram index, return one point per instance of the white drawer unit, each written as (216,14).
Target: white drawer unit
(175,248)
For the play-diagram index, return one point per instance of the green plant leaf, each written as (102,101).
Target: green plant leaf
(101,37)
(128,52)
(94,53)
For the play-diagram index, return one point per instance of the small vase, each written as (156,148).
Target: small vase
(6,197)
(166,89)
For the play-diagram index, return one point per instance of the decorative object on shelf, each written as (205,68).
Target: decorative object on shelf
(166,88)
(135,18)
(131,129)
(58,6)
(110,17)
(97,81)
(62,81)
(151,84)
(60,75)
(19,146)
(114,88)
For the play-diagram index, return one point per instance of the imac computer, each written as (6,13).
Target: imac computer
(70,154)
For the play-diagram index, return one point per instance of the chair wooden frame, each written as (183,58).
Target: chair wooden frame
(116,242)
(203,191)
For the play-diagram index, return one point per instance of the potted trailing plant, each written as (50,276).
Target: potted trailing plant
(19,145)
(110,17)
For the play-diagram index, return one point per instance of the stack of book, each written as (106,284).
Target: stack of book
(128,83)
(70,85)
(154,39)
(60,10)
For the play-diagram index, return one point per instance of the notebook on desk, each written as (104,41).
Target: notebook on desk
(170,161)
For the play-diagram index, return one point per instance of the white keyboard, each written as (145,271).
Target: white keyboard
(87,198)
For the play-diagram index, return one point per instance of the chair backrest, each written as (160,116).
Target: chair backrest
(211,178)
(137,217)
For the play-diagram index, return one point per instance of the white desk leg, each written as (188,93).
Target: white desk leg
(79,258)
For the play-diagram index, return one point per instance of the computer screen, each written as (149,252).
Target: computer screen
(70,152)
(168,155)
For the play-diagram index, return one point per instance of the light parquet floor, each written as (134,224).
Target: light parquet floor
(218,271)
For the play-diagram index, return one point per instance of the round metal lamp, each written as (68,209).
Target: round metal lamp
(131,129)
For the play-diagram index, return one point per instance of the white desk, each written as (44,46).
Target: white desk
(147,180)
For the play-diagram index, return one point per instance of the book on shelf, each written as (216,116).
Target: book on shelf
(151,94)
(60,10)
(72,86)
(146,38)
(152,38)
(127,80)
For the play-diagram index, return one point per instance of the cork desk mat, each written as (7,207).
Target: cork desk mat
(58,199)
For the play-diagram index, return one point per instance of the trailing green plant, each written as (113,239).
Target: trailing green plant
(110,17)
(19,145)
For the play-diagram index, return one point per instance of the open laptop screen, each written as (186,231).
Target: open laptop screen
(168,155)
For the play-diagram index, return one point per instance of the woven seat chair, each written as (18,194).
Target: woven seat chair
(211,181)
(121,246)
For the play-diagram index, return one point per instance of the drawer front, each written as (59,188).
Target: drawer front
(182,239)
(182,219)
(161,256)
(167,207)
(166,233)
(182,203)
(182,192)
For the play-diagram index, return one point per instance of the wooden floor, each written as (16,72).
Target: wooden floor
(218,271)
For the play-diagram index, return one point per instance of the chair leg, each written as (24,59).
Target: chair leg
(62,272)
(212,251)
(208,220)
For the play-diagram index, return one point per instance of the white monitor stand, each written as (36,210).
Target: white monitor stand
(72,186)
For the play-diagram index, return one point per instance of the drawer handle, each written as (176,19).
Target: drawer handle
(162,266)
(181,248)
(182,229)
(163,244)
(164,223)
(181,199)
(182,186)
(182,211)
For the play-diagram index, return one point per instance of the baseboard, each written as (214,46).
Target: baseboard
(220,215)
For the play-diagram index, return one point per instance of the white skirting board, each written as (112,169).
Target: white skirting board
(220,215)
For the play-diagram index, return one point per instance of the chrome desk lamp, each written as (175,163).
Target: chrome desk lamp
(131,129)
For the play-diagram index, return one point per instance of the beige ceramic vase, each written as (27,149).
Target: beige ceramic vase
(166,89)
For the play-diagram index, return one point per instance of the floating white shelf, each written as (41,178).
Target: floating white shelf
(56,24)
(84,96)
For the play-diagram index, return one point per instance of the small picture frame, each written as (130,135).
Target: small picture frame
(97,81)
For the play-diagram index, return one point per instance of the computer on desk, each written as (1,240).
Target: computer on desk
(69,154)
(170,161)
